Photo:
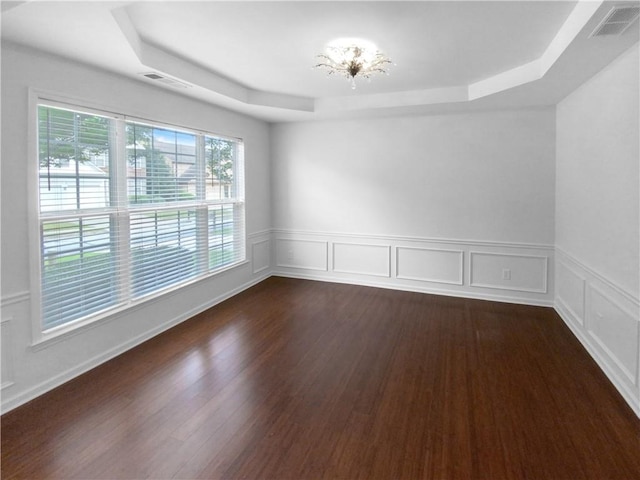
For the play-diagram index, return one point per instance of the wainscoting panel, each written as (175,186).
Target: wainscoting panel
(521,273)
(571,291)
(615,331)
(430,265)
(302,254)
(362,259)
(6,374)
(261,255)
(606,320)
(417,264)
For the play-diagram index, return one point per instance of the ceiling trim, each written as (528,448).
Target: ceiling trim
(172,65)
(535,70)
(157,59)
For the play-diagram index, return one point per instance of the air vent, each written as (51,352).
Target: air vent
(172,82)
(617,21)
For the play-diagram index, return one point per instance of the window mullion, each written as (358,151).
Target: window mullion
(201,177)
(118,166)
(120,243)
(238,172)
(202,213)
(76,157)
(121,236)
(202,238)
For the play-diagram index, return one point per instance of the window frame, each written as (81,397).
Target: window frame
(120,211)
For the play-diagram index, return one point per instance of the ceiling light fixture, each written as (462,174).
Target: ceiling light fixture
(352,57)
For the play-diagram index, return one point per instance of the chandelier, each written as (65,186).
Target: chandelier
(351,58)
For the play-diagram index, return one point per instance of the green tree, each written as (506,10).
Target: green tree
(159,178)
(65,135)
(219,157)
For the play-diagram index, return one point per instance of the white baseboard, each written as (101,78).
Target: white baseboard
(412,288)
(505,272)
(605,364)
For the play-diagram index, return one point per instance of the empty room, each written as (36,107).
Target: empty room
(309,239)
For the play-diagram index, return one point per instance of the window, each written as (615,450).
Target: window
(129,209)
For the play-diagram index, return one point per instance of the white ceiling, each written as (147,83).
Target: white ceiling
(257,57)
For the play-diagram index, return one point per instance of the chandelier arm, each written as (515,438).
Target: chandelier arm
(326,65)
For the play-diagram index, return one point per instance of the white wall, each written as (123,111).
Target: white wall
(30,370)
(598,219)
(465,204)
(433,203)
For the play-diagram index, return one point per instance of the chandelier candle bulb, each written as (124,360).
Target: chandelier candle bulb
(351,58)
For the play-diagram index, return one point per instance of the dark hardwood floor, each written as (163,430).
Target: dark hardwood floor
(295,379)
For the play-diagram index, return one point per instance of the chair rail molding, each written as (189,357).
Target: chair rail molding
(14,298)
(431,265)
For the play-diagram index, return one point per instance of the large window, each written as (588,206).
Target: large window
(129,209)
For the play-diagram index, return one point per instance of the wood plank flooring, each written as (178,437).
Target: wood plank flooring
(296,379)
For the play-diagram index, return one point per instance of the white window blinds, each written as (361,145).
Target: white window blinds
(122,219)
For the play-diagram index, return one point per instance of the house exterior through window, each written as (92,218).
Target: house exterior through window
(129,209)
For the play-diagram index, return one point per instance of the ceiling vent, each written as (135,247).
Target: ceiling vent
(617,21)
(172,82)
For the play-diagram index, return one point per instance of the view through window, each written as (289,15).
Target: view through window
(124,218)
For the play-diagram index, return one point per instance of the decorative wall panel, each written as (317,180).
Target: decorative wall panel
(522,273)
(615,330)
(571,291)
(430,265)
(7,354)
(260,255)
(362,259)
(301,253)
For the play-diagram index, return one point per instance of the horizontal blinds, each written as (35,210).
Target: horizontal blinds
(161,165)
(79,268)
(74,160)
(179,213)
(226,236)
(163,249)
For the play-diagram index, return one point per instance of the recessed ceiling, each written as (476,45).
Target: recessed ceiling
(272,46)
(257,57)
